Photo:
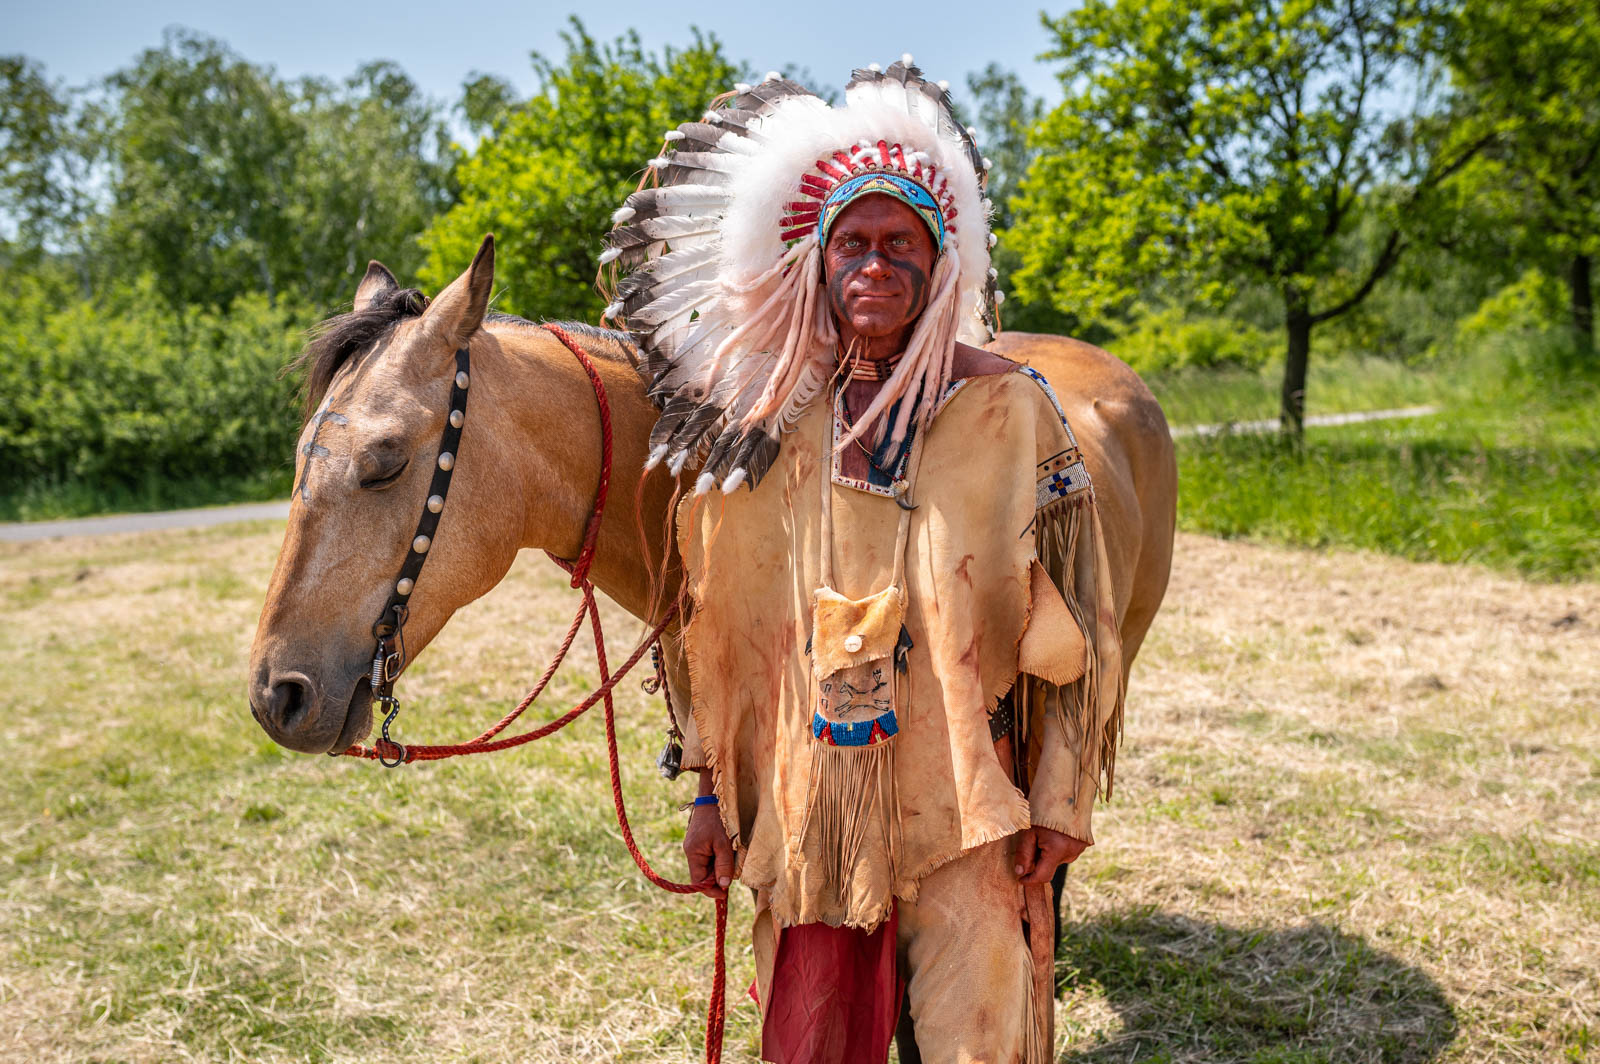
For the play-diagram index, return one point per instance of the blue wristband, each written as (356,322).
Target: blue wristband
(706,799)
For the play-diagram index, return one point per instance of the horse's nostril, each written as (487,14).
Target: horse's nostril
(287,700)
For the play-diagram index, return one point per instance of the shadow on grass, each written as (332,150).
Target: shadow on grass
(1192,991)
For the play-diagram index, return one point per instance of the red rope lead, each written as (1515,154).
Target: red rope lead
(716,1010)
(591,535)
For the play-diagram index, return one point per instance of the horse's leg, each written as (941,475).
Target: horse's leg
(905,1038)
(1058,883)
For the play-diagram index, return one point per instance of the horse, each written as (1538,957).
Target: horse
(378,383)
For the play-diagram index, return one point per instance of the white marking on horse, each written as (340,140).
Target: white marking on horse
(313,449)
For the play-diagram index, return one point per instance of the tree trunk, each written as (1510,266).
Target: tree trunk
(1292,402)
(1581,293)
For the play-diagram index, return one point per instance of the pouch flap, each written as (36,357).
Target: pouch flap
(1053,647)
(847,632)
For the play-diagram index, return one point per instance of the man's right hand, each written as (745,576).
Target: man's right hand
(706,845)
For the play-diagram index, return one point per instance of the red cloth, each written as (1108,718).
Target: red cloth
(836,995)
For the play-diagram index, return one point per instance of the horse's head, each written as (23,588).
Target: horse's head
(378,390)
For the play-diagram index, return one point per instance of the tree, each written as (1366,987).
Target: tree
(1217,144)
(373,172)
(226,180)
(1530,72)
(1006,112)
(47,156)
(1006,115)
(203,147)
(485,99)
(548,176)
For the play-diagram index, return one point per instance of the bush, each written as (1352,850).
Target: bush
(112,394)
(1168,339)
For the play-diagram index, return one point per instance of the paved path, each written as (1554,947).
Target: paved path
(269,511)
(99,526)
(1315,421)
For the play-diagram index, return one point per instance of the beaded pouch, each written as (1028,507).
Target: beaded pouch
(854,646)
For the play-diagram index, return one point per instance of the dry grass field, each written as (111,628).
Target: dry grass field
(1357,819)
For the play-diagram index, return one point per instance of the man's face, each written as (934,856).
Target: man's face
(878,262)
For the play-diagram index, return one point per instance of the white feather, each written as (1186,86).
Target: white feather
(675,463)
(691,197)
(676,227)
(731,483)
(704,483)
(678,301)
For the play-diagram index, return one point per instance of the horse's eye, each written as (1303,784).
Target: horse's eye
(383,480)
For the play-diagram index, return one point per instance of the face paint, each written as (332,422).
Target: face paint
(313,449)
(878,267)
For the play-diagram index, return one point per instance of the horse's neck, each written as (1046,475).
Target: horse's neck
(548,415)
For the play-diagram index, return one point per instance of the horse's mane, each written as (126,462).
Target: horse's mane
(343,337)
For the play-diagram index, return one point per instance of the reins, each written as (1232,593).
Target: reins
(389,656)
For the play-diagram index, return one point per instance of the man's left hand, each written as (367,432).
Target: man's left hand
(1040,851)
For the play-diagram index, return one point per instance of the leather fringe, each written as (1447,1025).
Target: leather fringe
(1066,545)
(851,803)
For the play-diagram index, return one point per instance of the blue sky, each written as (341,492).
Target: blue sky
(439,44)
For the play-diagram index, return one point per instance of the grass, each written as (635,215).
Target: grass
(1503,476)
(1334,384)
(1354,822)
(54,500)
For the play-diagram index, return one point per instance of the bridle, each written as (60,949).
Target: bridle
(389,628)
(389,655)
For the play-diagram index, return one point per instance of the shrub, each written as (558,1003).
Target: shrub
(121,391)
(1168,339)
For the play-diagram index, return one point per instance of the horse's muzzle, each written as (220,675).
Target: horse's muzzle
(295,712)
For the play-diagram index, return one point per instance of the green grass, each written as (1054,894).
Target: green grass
(1313,855)
(53,500)
(1503,476)
(1334,385)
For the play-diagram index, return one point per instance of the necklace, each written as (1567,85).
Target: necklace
(868,369)
(850,424)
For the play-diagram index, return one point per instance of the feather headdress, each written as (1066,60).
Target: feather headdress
(718,265)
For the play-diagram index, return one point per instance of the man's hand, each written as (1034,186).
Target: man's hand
(706,845)
(1040,851)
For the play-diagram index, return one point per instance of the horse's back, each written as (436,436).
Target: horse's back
(1128,449)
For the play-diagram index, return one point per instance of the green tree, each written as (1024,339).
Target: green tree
(485,99)
(204,145)
(1530,72)
(1213,145)
(47,156)
(1006,114)
(546,180)
(226,180)
(372,172)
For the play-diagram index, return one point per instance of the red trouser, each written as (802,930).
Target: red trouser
(978,993)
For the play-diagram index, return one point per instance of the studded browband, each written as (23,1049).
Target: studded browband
(389,628)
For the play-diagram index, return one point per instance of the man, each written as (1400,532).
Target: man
(905,682)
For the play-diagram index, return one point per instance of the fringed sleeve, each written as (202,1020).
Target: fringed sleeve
(677,668)
(1070,694)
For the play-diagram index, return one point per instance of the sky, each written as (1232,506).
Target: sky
(439,45)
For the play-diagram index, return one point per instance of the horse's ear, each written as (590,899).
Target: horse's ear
(377,280)
(458,311)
